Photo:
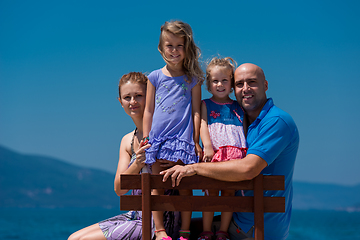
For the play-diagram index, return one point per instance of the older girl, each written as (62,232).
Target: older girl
(172,112)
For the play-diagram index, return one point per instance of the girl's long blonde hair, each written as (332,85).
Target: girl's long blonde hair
(191,64)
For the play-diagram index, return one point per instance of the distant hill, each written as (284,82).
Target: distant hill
(29,181)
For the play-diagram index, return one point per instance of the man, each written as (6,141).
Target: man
(273,141)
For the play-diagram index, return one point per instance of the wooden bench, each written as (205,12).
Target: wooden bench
(147,202)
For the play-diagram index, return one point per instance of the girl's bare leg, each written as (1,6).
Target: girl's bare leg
(226,216)
(208,216)
(185,217)
(92,232)
(158,215)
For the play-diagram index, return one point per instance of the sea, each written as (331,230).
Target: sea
(58,224)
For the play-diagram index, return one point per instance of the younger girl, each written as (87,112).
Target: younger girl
(172,112)
(221,131)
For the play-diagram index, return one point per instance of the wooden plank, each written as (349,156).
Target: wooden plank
(274,182)
(202,203)
(130,181)
(200,182)
(133,181)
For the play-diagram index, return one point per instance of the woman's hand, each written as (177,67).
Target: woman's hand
(140,153)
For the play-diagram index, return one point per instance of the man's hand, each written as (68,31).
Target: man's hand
(177,173)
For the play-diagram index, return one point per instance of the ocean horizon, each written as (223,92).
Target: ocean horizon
(58,224)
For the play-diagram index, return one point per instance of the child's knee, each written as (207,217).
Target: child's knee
(157,192)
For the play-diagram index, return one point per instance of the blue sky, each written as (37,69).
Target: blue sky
(60,63)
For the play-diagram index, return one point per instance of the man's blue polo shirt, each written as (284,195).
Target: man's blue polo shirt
(274,137)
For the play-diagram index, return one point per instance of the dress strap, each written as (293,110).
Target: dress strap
(132,142)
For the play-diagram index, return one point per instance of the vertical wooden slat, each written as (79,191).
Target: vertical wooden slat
(146,211)
(259,207)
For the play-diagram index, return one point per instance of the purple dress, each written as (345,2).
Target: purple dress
(171,135)
(129,225)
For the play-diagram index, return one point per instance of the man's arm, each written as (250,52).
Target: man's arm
(233,170)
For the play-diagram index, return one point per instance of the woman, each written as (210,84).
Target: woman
(132,92)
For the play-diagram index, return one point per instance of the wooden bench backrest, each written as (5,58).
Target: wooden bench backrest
(147,202)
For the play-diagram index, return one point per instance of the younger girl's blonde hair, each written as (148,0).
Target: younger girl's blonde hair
(191,64)
(227,63)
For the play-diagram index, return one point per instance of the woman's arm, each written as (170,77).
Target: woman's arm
(196,102)
(149,108)
(205,135)
(124,161)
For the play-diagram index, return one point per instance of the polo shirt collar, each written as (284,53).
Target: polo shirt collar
(269,103)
